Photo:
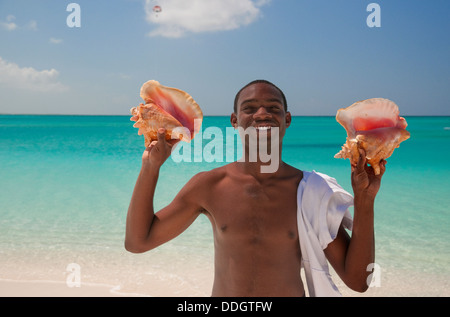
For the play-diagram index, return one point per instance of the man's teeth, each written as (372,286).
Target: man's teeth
(263,128)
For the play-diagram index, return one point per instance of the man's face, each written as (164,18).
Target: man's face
(261,106)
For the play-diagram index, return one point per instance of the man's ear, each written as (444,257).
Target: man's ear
(288,119)
(233,120)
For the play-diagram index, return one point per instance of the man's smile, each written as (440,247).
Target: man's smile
(263,128)
(264,125)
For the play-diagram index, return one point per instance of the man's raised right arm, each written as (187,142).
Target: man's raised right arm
(146,230)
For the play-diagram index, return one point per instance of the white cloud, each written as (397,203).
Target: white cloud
(10,25)
(178,17)
(32,25)
(29,78)
(55,40)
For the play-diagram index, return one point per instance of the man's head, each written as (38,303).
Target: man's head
(261,116)
(261,103)
(259,81)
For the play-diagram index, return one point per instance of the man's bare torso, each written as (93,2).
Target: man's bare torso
(257,250)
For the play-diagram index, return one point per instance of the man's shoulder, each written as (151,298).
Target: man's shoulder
(211,176)
(202,184)
(292,172)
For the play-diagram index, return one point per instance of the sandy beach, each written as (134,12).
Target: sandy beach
(11,288)
(114,273)
(174,270)
(194,283)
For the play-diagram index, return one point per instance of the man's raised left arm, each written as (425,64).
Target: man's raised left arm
(351,257)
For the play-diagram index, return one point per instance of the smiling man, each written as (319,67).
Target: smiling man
(254,213)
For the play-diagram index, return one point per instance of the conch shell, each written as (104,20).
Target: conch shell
(373,125)
(168,108)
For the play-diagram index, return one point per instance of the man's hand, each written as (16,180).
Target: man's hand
(157,153)
(364,180)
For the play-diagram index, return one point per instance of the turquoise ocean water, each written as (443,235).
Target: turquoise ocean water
(66,182)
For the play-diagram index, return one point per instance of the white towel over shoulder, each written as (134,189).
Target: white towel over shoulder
(322,207)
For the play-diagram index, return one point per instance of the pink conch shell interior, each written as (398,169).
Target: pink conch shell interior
(373,125)
(168,108)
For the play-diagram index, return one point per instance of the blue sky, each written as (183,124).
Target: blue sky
(321,53)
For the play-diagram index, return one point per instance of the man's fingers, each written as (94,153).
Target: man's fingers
(361,160)
(382,167)
(151,146)
(161,134)
(173,142)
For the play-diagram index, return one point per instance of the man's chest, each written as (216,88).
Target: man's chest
(255,211)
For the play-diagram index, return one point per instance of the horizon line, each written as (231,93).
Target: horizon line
(126,115)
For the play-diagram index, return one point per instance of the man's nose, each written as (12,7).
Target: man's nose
(262,113)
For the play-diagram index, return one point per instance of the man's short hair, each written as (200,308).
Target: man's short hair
(259,81)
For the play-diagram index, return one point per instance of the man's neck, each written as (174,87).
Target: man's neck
(262,160)
(255,169)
